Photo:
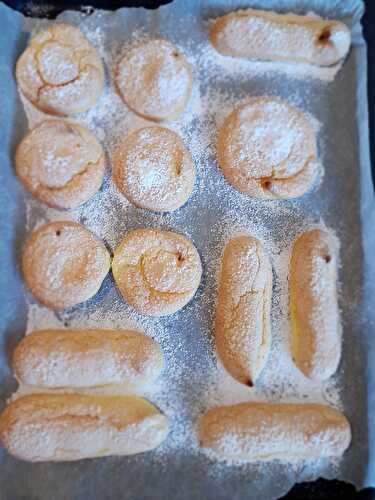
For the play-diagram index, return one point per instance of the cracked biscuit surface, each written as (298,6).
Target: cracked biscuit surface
(243,324)
(156,271)
(64,264)
(155,80)
(267,149)
(153,169)
(60,72)
(65,427)
(60,163)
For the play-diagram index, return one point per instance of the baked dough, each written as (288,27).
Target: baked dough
(316,335)
(66,427)
(257,34)
(243,324)
(267,149)
(64,264)
(60,163)
(265,431)
(157,272)
(153,169)
(60,72)
(155,80)
(86,358)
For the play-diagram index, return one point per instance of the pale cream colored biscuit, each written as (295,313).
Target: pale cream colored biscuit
(157,272)
(267,149)
(243,324)
(60,163)
(86,358)
(155,80)
(153,169)
(268,36)
(264,431)
(64,264)
(60,72)
(314,314)
(66,427)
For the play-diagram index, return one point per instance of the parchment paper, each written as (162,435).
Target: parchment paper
(345,201)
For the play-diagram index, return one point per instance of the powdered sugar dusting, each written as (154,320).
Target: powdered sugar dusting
(272,37)
(192,381)
(154,79)
(153,169)
(239,66)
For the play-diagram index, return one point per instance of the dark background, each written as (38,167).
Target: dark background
(321,489)
(369,31)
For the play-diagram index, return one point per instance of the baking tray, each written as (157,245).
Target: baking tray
(341,107)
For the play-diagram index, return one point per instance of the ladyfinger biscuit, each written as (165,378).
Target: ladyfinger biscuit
(315,325)
(242,326)
(264,431)
(86,358)
(268,36)
(66,427)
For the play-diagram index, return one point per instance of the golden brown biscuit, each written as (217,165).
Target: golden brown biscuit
(315,324)
(285,431)
(86,358)
(66,427)
(155,80)
(60,163)
(60,72)
(157,272)
(267,149)
(64,264)
(153,169)
(243,324)
(258,34)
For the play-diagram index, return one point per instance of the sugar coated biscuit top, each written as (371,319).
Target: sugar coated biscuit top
(267,149)
(86,358)
(157,272)
(243,314)
(154,79)
(60,72)
(257,431)
(64,264)
(66,427)
(268,36)
(314,312)
(60,163)
(153,169)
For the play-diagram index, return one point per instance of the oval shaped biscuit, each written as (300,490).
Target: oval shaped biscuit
(315,323)
(86,358)
(268,36)
(243,325)
(267,431)
(66,427)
